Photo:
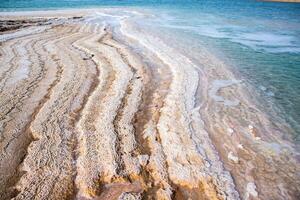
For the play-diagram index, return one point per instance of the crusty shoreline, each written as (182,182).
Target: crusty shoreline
(84,115)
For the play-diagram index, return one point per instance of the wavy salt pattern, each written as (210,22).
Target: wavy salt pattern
(107,111)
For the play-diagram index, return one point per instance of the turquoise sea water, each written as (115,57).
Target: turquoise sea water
(261,40)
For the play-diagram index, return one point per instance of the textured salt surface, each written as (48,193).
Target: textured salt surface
(217,85)
(102,108)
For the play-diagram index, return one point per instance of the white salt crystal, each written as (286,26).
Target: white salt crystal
(232,157)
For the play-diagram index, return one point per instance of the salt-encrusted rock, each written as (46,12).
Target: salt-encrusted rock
(250,127)
(230,131)
(240,146)
(130,196)
(257,138)
(232,157)
(253,132)
(251,190)
(143,159)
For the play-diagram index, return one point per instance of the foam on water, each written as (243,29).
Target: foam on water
(270,42)
(217,85)
(279,41)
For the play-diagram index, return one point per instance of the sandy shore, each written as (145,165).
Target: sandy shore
(84,115)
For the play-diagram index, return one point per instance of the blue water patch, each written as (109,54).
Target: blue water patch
(264,49)
(263,42)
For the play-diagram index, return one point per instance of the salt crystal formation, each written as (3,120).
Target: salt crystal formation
(92,118)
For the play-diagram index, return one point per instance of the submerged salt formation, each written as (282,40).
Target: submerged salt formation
(94,118)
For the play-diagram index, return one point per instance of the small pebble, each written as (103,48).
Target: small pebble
(257,138)
(230,131)
(253,132)
(233,157)
(251,190)
(250,127)
(143,159)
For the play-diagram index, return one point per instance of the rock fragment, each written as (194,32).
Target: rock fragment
(251,190)
(232,157)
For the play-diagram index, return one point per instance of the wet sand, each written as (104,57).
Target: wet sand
(84,115)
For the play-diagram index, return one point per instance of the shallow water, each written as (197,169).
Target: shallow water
(260,41)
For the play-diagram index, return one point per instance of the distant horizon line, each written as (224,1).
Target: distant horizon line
(283,1)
